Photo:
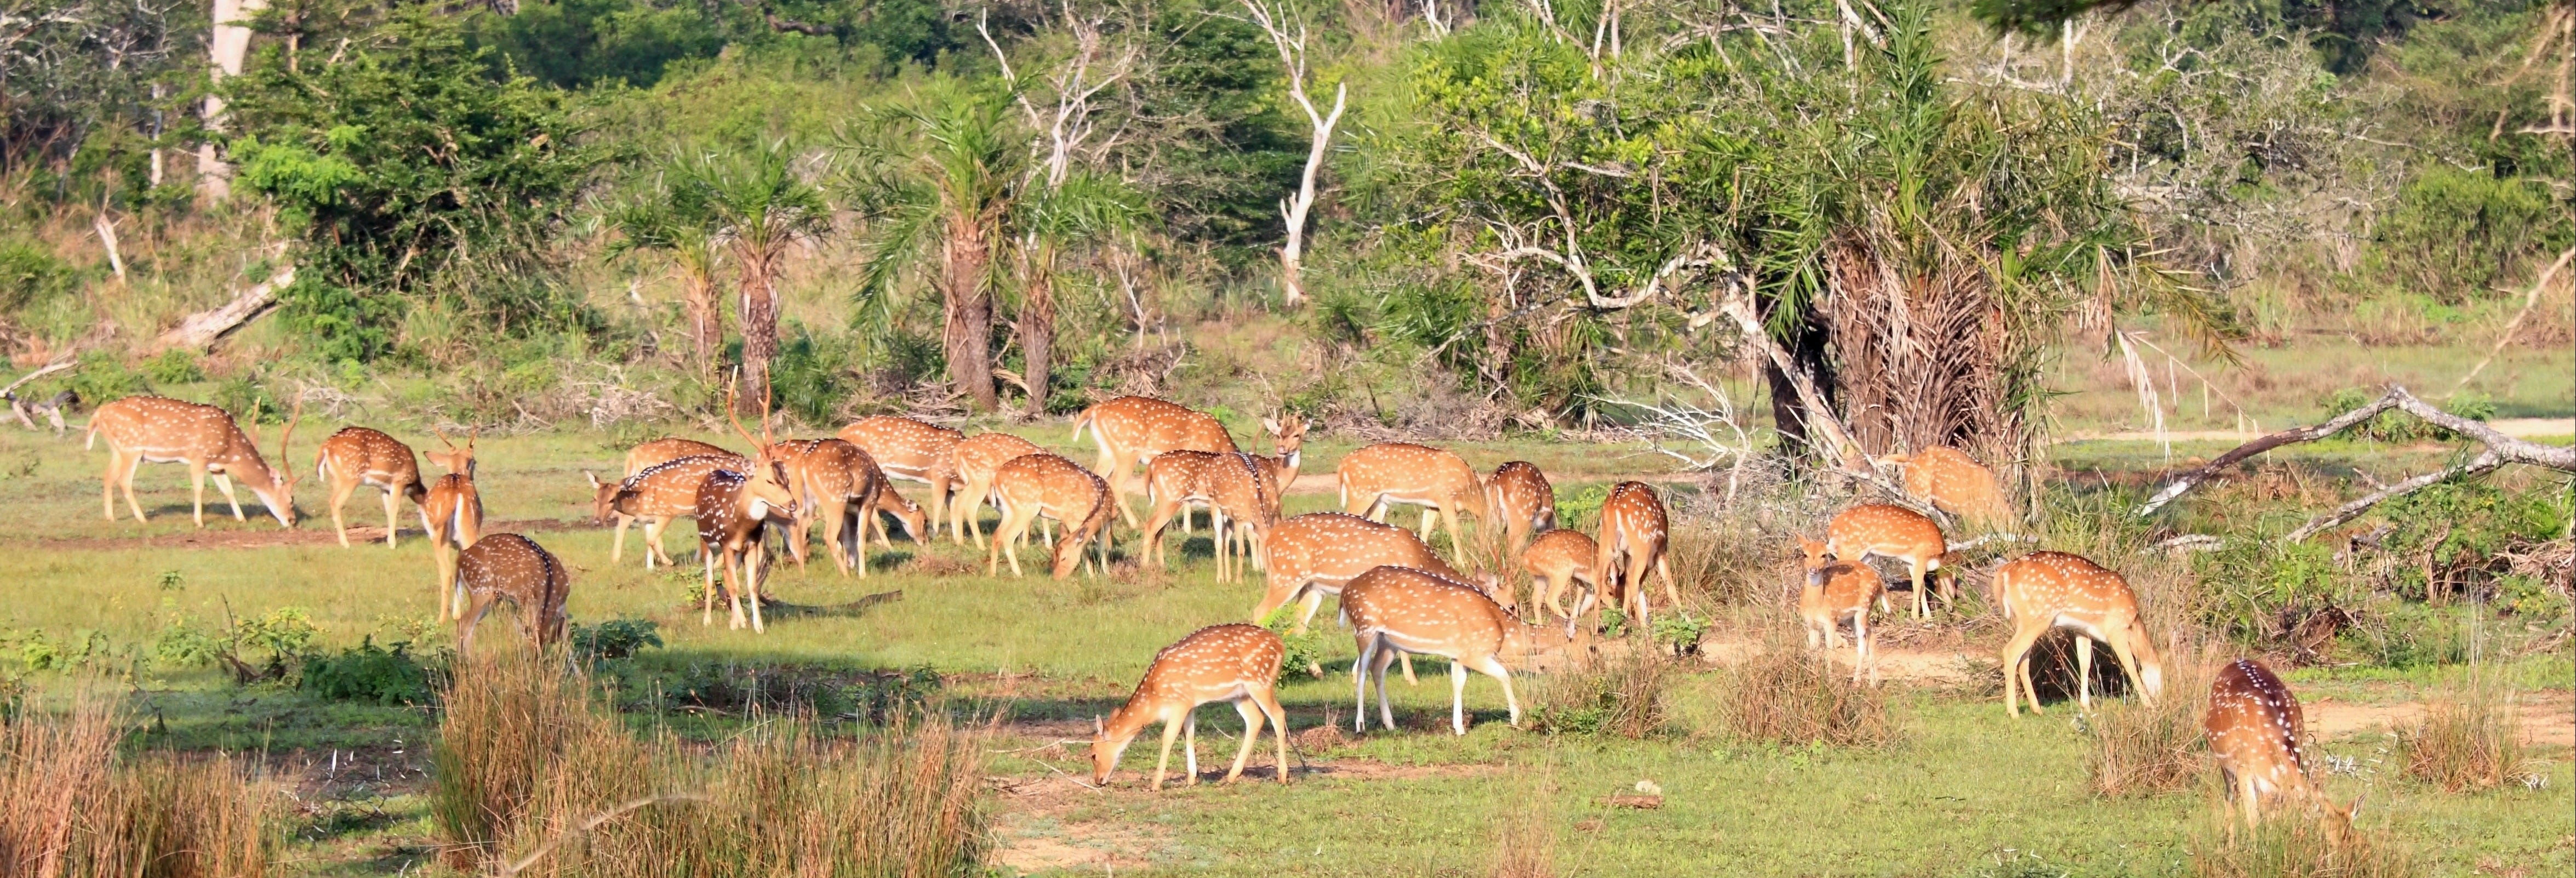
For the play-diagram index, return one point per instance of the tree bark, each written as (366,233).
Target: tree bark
(200,331)
(759,328)
(227,46)
(1037,332)
(706,326)
(968,339)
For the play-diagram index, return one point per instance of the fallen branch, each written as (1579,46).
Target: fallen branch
(200,331)
(2485,461)
(2505,448)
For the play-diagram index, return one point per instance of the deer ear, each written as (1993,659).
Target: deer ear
(1097,727)
(1270,424)
(593,477)
(2354,810)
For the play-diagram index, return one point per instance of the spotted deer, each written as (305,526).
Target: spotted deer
(2256,731)
(909,450)
(1555,562)
(1835,591)
(734,510)
(968,471)
(1233,485)
(1279,468)
(452,515)
(1133,430)
(835,483)
(1634,535)
(670,448)
(156,429)
(513,568)
(1892,532)
(1523,504)
(1396,610)
(661,494)
(915,521)
(1318,553)
(1032,485)
(2043,591)
(1234,663)
(1381,475)
(1955,483)
(360,456)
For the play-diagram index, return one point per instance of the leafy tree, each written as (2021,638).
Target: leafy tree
(757,206)
(1081,209)
(678,222)
(951,179)
(404,168)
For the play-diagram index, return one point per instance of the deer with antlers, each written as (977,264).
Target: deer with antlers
(156,429)
(359,456)
(2256,731)
(1404,611)
(834,481)
(514,568)
(1555,562)
(452,514)
(1635,532)
(969,469)
(1032,485)
(1953,482)
(669,448)
(1894,532)
(2043,591)
(662,493)
(734,510)
(1234,663)
(910,450)
(1381,475)
(1835,591)
(1317,554)
(1132,430)
(1523,504)
(1232,484)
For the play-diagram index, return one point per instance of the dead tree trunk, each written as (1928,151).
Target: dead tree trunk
(227,46)
(1293,54)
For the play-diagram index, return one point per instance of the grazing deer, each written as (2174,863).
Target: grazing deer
(1892,532)
(1132,430)
(1387,473)
(2256,731)
(1634,535)
(1032,485)
(1523,504)
(1953,482)
(1232,484)
(969,470)
(1401,610)
(662,493)
(907,449)
(360,456)
(832,480)
(1834,591)
(2048,590)
(735,509)
(452,514)
(1555,561)
(916,523)
(1316,554)
(1233,663)
(156,429)
(514,568)
(670,448)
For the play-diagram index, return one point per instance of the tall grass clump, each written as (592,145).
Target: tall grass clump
(1787,695)
(69,805)
(2290,845)
(2469,740)
(1525,833)
(2141,749)
(536,775)
(1621,694)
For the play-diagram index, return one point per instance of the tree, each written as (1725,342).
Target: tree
(1289,37)
(1053,219)
(678,222)
(952,177)
(759,207)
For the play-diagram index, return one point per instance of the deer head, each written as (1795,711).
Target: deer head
(603,498)
(456,460)
(279,493)
(766,482)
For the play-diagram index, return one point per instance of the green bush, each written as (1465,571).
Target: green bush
(2396,426)
(174,366)
(102,378)
(614,639)
(30,273)
(2454,235)
(871,697)
(1305,651)
(367,672)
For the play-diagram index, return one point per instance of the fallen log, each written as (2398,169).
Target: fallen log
(200,331)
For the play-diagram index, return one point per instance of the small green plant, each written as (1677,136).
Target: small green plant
(41,652)
(1305,651)
(286,634)
(2394,426)
(1582,508)
(1680,633)
(367,672)
(614,639)
(170,580)
(174,366)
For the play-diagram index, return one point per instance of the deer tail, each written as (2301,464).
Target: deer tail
(1081,421)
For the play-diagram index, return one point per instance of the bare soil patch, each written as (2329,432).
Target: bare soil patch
(2547,717)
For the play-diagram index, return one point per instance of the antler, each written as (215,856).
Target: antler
(442,438)
(733,396)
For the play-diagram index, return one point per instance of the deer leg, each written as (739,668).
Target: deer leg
(1387,655)
(1190,746)
(107,482)
(734,561)
(2127,654)
(1665,573)
(1253,715)
(1171,730)
(224,483)
(1314,601)
(1160,518)
(1922,602)
(1493,667)
(1118,472)
(2016,658)
(1359,683)
(1457,536)
(340,494)
(2084,671)
(1862,654)
(197,488)
(617,549)
(467,621)
(392,524)
(1012,523)
(707,602)
(1268,701)
(1457,697)
(1407,659)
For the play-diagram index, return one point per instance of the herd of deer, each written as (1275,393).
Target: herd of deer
(1399,596)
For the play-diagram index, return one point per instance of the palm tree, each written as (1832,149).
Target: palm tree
(1052,219)
(959,181)
(759,207)
(677,222)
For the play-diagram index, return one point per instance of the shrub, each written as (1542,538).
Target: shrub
(174,366)
(2140,749)
(368,672)
(2455,234)
(1787,695)
(614,639)
(101,377)
(2469,739)
(30,273)
(1620,694)
(2293,846)
(69,805)
(1305,651)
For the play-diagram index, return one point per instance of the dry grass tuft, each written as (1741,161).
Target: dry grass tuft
(1525,833)
(1787,695)
(2291,846)
(70,806)
(1621,693)
(2469,739)
(535,776)
(2143,750)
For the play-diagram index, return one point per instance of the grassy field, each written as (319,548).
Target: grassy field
(1965,791)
